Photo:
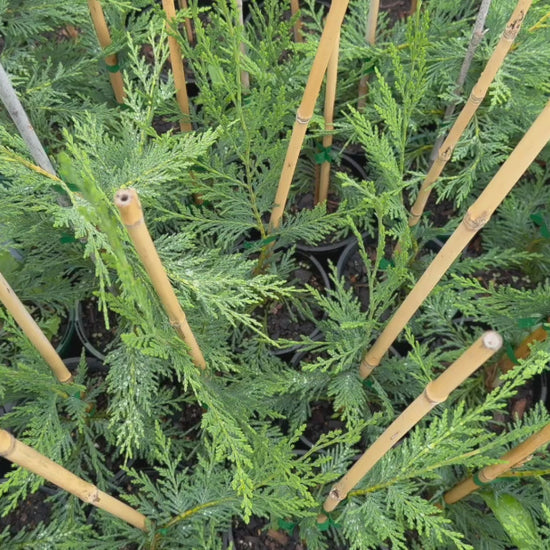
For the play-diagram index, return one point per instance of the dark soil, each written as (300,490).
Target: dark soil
(284,319)
(28,514)
(255,536)
(93,325)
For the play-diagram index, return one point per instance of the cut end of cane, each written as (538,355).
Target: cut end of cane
(127,202)
(492,340)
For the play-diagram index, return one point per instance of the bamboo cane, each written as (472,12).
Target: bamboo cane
(294,9)
(187,22)
(102,31)
(521,352)
(475,40)
(19,116)
(435,392)
(370,37)
(176,60)
(476,97)
(245,77)
(305,110)
(512,459)
(33,332)
(30,459)
(330,98)
(477,216)
(129,206)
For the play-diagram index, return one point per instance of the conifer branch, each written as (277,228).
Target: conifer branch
(435,392)
(477,216)
(129,206)
(512,459)
(477,95)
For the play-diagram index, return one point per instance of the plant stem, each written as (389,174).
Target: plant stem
(370,37)
(513,458)
(477,216)
(477,35)
(19,116)
(245,77)
(435,392)
(479,91)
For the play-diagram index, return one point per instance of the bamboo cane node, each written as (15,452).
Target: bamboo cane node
(445,155)
(474,99)
(480,479)
(432,399)
(302,120)
(474,224)
(335,494)
(93,496)
(513,28)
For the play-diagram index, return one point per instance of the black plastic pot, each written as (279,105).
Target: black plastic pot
(85,335)
(322,280)
(333,250)
(351,267)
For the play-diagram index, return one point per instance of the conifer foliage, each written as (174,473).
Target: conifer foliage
(259,432)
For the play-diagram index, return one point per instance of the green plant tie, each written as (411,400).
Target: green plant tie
(385,264)
(162,532)
(529,322)
(66,238)
(324,154)
(287,526)
(539,221)
(263,242)
(369,383)
(326,525)
(76,395)
(478,481)
(113,68)
(510,353)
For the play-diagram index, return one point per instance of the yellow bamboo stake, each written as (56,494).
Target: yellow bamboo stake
(330,98)
(474,100)
(294,9)
(129,206)
(521,352)
(33,332)
(512,459)
(370,37)
(188,26)
(305,110)
(102,31)
(30,459)
(477,216)
(176,60)
(435,392)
